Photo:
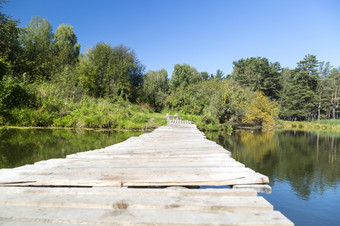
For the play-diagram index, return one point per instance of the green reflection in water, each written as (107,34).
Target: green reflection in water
(25,146)
(308,161)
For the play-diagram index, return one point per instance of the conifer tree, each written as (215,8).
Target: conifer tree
(300,101)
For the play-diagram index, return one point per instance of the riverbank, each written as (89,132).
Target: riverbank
(319,125)
(100,114)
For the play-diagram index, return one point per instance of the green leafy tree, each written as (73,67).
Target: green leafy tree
(235,103)
(259,75)
(14,93)
(155,88)
(205,76)
(330,97)
(65,47)
(324,70)
(183,75)
(219,102)
(10,48)
(111,72)
(301,99)
(36,40)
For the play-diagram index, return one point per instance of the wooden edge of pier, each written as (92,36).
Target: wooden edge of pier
(147,180)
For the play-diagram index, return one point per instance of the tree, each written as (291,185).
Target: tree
(301,99)
(235,102)
(10,49)
(219,75)
(205,76)
(111,72)
(324,69)
(65,47)
(259,75)
(155,88)
(36,40)
(309,64)
(183,75)
(261,112)
(219,102)
(331,93)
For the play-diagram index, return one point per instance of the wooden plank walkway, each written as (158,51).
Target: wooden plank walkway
(113,185)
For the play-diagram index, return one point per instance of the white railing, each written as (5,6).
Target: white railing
(175,119)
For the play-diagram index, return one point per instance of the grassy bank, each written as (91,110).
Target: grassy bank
(319,125)
(99,114)
(87,113)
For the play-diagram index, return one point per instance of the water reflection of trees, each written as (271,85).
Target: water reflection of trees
(308,161)
(19,147)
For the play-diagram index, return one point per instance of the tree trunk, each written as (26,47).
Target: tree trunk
(334,101)
(320,97)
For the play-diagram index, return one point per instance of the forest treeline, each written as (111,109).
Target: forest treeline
(46,81)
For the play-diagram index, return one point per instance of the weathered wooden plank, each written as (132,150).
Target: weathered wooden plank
(129,165)
(102,170)
(165,156)
(263,188)
(122,192)
(144,201)
(150,151)
(125,216)
(157,179)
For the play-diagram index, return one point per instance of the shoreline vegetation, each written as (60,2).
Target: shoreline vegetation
(159,119)
(45,81)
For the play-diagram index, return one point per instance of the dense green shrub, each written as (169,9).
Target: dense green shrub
(15,93)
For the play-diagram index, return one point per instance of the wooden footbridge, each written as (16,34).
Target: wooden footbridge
(142,181)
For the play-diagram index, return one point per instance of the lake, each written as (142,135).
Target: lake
(19,147)
(303,167)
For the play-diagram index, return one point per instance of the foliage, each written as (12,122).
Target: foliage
(183,75)
(330,93)
(14,93)
(155,88)
(205,76)
(111,72)
(218,102)
(9,44)
(44,81)
(66,84)
(317,125)
(262,112)
(235,102)
(65,47)
(260,75)
(219,75)
(300,100)
(36,40)
(194,98)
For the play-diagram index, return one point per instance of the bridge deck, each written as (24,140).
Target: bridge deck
(99,186)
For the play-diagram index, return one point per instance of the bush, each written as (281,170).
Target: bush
(15,93)
(262,112)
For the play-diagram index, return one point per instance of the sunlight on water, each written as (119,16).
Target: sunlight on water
(303,169)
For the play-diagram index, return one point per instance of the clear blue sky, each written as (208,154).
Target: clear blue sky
(208,35)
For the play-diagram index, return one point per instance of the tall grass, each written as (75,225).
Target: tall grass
(322,125)
(57,108)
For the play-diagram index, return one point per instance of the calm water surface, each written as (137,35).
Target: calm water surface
(303,169)
(26,146)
